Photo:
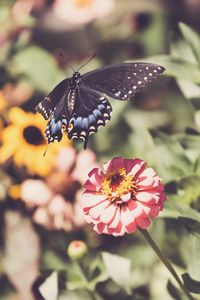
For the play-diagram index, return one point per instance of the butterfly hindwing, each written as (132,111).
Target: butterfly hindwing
(56,123)
(122,81)
(92,110)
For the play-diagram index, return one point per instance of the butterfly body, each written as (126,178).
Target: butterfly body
(79,105)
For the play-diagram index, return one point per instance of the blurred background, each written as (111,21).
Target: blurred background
(39,196)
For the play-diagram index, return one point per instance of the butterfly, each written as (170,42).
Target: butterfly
(79,105)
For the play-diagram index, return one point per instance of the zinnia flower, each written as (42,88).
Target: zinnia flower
(123,197)
(23,140)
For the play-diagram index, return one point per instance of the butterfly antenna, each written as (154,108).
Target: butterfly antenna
(65,61)
(46,150)
(87,62)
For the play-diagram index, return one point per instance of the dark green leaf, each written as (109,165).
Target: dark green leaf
(191,224)
(174,292)
(191,284)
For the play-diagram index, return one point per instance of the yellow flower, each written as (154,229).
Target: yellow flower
(23,140)
(3,103)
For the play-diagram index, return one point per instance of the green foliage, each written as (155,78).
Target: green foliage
(31,63)
(160,126)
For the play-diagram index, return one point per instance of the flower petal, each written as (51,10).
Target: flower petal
(144,196)
(97,210)
(88,201)
(137,167)
(143,222)
(108,214)
(126,197)
(113,164)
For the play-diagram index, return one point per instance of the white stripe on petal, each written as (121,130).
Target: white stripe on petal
(149,172)
(116,219)
(88,201)
(97,210)
(126,217)
(144,196)
(108,214)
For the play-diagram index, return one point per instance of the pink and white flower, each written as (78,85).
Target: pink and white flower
(122,197)
(80,12)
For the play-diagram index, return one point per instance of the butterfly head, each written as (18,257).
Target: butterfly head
(76,78)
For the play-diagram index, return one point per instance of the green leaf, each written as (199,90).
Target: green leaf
(189,89)
(76,278)
(119,270)
(38,66)
(49,289)
(191,284)
(139,141)
(97,273)
(192,38)
(171,160)
(193,262)
(189,189)
(191,224)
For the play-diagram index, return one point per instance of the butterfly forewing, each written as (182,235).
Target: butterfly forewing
(122,81)
(48,104)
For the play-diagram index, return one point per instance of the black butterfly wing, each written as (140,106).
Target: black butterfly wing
(56,123)
(53,108)
(47,105)
(92,110)
(122,81)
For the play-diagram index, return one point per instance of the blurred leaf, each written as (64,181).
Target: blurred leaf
(192,38)
(38,66)
(191,224)
(53,261)
(189,89)
(49,289)
(97,272)
(189,189)
(173,291)
(193,262)
(146,119)
(76,279)
(181,48)
(79,295)
(185,210)
(191,284)
(139,141)
(119,269)
(171,160)
(21,258)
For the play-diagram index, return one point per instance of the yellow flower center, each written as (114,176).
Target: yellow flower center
(33,136)
(83,3)
(117,183)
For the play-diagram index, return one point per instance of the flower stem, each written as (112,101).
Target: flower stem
(166,262)
(93,294)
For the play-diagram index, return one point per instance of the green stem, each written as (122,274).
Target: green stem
(94,295)
(166,262)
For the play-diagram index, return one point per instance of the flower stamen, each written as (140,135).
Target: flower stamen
(117,183)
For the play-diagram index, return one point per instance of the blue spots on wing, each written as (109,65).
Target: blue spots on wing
(54,128)
(82,126)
